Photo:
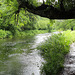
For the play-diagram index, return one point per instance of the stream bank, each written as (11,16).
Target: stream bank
(69,65)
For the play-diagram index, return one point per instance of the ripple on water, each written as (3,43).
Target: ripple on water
(33,61)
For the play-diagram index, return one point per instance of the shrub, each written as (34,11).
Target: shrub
(5,34)
(54,50)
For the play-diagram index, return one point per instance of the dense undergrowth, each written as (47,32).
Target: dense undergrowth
(5,34)
(54,50)
(20,34)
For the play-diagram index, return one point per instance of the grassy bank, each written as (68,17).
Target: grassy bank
(20,34)
(54,50)
(31,32)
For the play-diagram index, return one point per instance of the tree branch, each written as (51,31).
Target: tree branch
(62,6)
(49,11)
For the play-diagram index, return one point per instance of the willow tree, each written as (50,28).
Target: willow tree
(52,9)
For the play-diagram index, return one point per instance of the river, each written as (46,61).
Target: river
(20,56)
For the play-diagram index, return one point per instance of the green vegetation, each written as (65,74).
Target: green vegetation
(54,50)
(20,24)
(64,25)
(29,33)
(5,34)
(16,21)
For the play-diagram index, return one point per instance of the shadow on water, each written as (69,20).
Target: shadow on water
(10,53)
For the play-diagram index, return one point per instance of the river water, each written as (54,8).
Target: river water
(20,56)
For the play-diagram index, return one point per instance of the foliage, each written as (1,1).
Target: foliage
(46,9)
(70,35)
(5,34)
(14,21)
(68,4)
(27,20)
(26,33)
(43,23)
(54,50)
(9,18)
(64,24)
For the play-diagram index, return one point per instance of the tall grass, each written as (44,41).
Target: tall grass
(54,50)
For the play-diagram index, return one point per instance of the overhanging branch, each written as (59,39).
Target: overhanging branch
(49,11)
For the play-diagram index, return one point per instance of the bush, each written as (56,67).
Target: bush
(54,50)
(5,34)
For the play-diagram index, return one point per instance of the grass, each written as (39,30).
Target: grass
(20,34)
(29,33)
(54,50)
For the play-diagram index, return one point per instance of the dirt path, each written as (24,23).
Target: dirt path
(69,65)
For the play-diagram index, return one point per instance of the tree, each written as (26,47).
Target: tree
(10,18)
(27,20)
(64,24)
(52,9)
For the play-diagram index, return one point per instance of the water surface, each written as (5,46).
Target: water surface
(20,56)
